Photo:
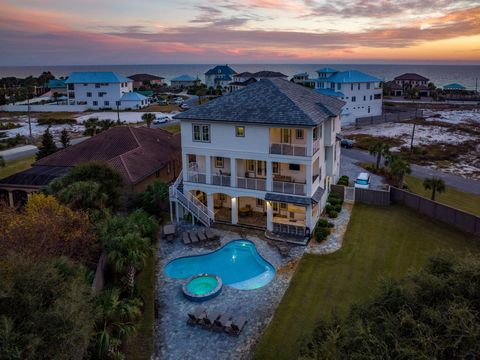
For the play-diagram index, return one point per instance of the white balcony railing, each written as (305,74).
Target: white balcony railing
(290,229)
(288,149)
(316,146)
(221,180)
(196,177)
(252,183)
(289,187)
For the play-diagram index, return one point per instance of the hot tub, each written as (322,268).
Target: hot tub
(202,287)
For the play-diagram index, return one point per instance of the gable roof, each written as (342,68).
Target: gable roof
(136,152)
(133,96)
(221,70)
(269,101)
(184,77)
(90,77)
(145,77)
(269,74)
(351,76)
(411,76)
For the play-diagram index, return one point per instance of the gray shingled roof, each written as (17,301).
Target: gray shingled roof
(269,101)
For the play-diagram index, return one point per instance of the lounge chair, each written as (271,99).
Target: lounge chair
(201,236)
(210,235)
(235,326)
(186,238)
(210,318)
(197,316)
(193,237)
(221,323)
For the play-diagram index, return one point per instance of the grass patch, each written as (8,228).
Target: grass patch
(15,166)
(364,141)
(451,197)
(173,128)
(379,242)
(140,347)
(161,108)
(54,118)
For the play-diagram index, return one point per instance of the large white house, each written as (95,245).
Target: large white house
(262,156)
(103,90)
(361,92)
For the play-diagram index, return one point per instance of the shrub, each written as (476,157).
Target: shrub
(329,208)
(338,208)
(334,201)
(344,180)
(322,223)
(332,214)
(321,233)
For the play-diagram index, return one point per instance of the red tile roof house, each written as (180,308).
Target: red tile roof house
(139,154)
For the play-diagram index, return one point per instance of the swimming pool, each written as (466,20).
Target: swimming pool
(237,263)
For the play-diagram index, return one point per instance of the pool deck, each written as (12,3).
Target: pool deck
(177,340)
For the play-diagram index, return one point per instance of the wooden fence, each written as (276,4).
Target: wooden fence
(391,117)
(364,196)
(455,217)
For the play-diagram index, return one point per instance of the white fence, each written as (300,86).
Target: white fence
(45,108)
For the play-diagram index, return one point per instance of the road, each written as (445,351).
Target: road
(28,150)
(458,182)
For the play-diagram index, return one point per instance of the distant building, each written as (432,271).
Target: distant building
(57,85)
(140,80)
(139,154)
(411,80)
(300,78)
(237,85)
(245,78)
(102,90)
(361,92)
(219,76)
(184,81)
(454,87)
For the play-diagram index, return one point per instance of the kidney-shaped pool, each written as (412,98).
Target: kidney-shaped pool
(237,263)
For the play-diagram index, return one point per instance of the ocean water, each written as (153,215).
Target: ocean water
(438,74)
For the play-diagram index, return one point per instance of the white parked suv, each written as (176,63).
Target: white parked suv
(363,181)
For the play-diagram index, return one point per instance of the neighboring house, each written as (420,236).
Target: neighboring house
(393,88)
(246,78)
(184,81)
(300,78)
(219,76)
(263,156)
(139,154)
(361,92)
(57,85)
(411,80)
(454,87)
(100,90)
(134,101)
(140,80)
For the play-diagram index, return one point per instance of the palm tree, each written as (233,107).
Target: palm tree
(435,184)
(379,149)
(56,95)
(148,118)
(127,253)
(398,168)
(116,321)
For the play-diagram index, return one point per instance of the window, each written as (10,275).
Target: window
(294,167)
(250,165)
(358,86)
(157,174)
(315,133)
(260,203)
(351,87)
(299,133)
(332,86)
(95,103)
(106,103)
(364,98)
(368,85)
(70,87)
(339,86)
(169,168)
(240,131)
(371,97)
(201,133)
(218,162)
(118,103)
(85,84)
(369,109)
(276,168)
(89,94)
(377,96)
(283,206)
(275,206)
(354,98)
(285,134)
(97,86)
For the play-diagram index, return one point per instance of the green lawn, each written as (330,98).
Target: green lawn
(15,166)
(452,197)
(379,242)
(140,347)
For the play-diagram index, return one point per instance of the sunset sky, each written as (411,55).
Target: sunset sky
(47,32)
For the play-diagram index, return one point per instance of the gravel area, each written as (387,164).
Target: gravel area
(177,340)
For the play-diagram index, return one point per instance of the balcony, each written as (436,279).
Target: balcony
(197,177)
(288,149)
(252,183)
(221,180)
(289,187)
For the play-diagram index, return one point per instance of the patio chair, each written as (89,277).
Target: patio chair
(186,238)
(210,319)
(210,234)
(193,236)
(221,323)
(197,316)
(201,236)
(235,326)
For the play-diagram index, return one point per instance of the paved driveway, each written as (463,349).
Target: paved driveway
(349,168)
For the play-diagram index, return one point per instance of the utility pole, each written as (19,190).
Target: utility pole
(118,113)
(29,120)
(413,135)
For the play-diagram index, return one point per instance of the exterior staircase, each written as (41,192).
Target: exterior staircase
(190,203)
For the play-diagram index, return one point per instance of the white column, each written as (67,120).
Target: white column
(177,211)
(208,168)
(234,210)
(185,166)
(10,198)
(309,174)
(269,175)
(309,138)
(308,221)
(233,174)
(210,203)
(269,216)
(171,211)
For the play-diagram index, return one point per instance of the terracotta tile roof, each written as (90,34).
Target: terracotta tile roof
(135,152)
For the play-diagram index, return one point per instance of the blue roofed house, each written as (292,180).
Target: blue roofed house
(103,90)
(219,76)
(57,85)
(184,81)
(362,93)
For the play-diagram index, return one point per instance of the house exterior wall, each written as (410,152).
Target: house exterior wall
(166,174)
(98,96)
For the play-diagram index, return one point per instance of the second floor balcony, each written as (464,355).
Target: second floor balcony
(294,142)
